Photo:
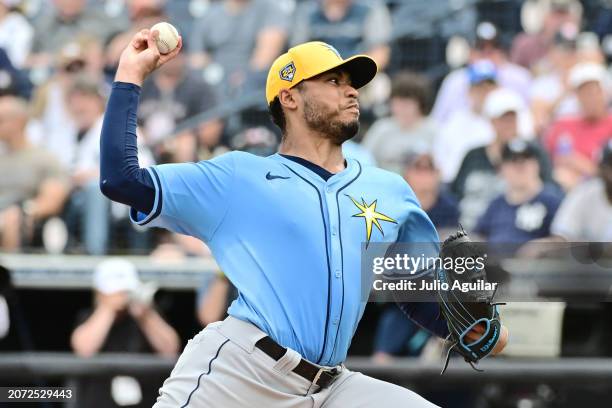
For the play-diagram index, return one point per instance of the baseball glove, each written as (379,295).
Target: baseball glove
(471,310)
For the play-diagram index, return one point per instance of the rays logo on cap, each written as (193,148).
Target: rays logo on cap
(288,72)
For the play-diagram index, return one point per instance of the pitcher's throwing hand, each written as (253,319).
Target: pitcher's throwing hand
(141,57)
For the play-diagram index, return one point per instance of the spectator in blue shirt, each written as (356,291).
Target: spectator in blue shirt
(525,210)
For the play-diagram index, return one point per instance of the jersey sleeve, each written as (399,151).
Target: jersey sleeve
(420,238)
(190,198)
(418,228)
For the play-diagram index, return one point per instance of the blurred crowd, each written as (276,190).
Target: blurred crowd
(495,112)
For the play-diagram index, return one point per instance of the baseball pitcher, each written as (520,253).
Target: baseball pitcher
(286,230)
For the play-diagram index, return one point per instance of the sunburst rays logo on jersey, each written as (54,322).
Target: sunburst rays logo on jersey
(371,217)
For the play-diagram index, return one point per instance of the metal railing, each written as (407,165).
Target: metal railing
(41,365)
(75,271)
(561,276)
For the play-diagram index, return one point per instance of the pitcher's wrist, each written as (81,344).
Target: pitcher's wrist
(125,74)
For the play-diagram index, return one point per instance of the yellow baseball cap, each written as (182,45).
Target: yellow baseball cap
(310,59)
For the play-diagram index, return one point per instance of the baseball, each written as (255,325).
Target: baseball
(168,37)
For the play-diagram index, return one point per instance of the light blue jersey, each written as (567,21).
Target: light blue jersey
(288,240)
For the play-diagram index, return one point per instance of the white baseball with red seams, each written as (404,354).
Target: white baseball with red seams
(168,37)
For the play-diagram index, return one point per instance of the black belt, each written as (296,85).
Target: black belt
(322,377)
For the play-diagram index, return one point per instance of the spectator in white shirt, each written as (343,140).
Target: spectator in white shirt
(408,129)
(466,128)
(16,33)
(586,212)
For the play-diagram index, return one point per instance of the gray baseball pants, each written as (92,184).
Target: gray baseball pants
(221,368)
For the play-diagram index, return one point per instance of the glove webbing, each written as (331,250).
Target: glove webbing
(484,343)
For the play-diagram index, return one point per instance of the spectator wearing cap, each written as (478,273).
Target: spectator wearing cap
(574,142)
(123,320)
(586,212)
(552,96)
(477,181)
(529,48)
(34,185)
(68,19)
(16,33)
(237,41)
(466,128)
(455,89)
(525,210)
(350,26)
(408,128)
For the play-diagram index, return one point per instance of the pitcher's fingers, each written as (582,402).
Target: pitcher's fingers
(479,328)
(152,37)
(472,336)
(173,53)
(475,333)
(140,39)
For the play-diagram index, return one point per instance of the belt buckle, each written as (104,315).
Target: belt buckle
(333,373)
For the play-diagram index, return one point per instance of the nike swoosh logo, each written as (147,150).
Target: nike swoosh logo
(273,176)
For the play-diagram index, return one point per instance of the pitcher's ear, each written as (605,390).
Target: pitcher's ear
(287,98)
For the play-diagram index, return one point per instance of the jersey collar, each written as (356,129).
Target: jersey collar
(351,170)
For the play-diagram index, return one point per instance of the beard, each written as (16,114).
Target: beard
(318,118)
